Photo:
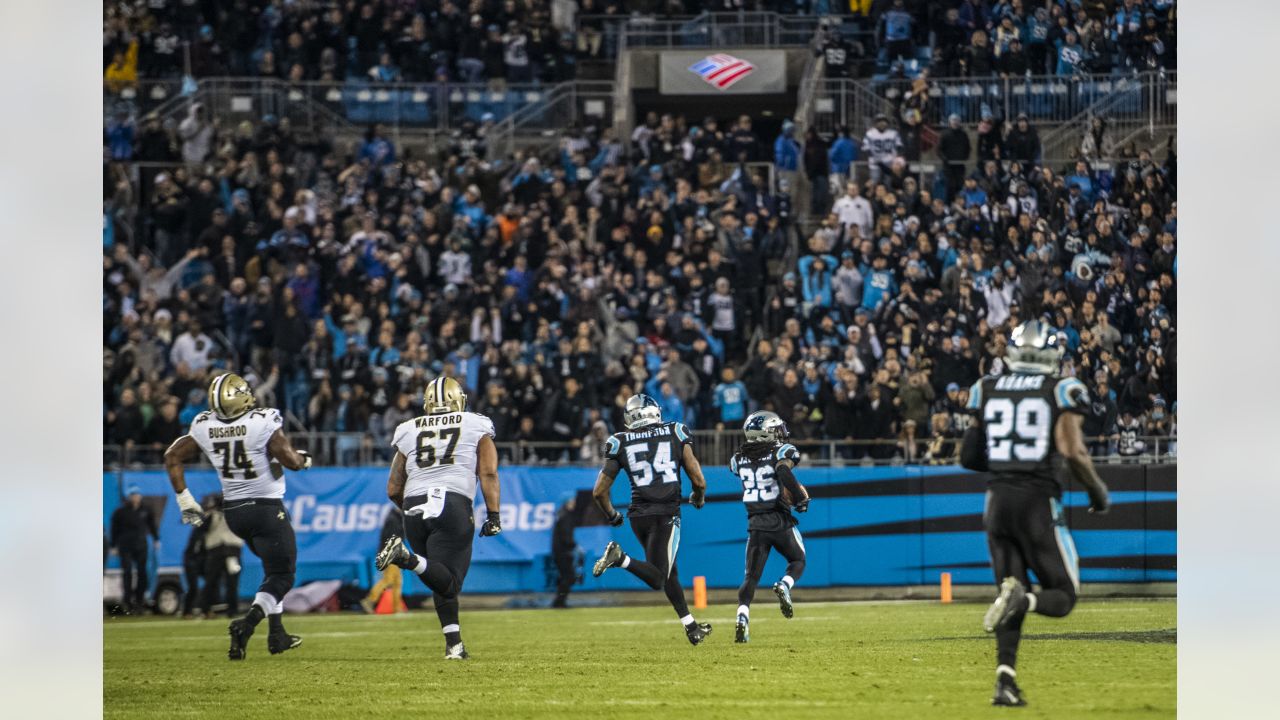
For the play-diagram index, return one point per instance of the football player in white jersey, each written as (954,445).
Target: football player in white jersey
(247,447)
(438,457)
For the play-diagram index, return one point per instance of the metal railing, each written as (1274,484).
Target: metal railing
(714,447)
(725,29)
(1054,103)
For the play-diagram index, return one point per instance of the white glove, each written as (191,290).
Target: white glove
(191,512)
(306,459)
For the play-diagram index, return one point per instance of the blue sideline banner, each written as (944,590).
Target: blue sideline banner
(867,526)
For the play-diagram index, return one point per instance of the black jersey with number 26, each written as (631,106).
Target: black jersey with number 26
(652,458)
(755,466)
(1019,413)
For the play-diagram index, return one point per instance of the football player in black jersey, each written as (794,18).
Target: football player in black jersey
(1025,420)
(769,490)
(652,452)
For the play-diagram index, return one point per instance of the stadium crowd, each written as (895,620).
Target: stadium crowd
(521,41)
(340,280)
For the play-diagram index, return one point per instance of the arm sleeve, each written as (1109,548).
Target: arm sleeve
(787,479)
(612,450)
(974,405)
(787,451)
(973,449)
(683,434)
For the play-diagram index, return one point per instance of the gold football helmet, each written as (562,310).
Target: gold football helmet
(443,395)
(230,396)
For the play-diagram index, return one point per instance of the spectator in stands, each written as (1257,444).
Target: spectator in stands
(954,150)
(1071,58)
(123,71)
(895,32)
(842,155)
(854,211)
(786,153)
(1022,143)
(817,169)
(977,59)
(881,144)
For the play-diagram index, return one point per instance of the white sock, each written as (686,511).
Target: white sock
(788,581)
(744,610)
(1006,669)
(450,628)
(1031,602)
(266,602)
(687,620)
(626,561)
(421,566)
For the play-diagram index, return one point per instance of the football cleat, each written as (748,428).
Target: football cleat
(697,632)
(278,642)
(393,553)
(240,632)
(1007,693)
(612,557)
(1011,601)
(784,599)
(742,631)
(456,652)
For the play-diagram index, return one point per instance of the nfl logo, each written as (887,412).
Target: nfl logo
(722,71)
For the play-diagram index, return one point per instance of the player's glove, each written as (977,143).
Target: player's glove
(697,500)
(191,512)
(306,459)
(492,525)
(803,505)
(615,519)
(1099,500)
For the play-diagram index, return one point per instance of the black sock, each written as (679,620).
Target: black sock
(254,616)
(1007,639)
(276,622)
(452,638)
(647,572)
(1054,603)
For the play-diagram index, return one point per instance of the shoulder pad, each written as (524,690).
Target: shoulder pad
(682,432)
(787,451)
(975,397)
(1071,394)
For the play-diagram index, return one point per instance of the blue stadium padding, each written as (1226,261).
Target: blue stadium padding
(868,526)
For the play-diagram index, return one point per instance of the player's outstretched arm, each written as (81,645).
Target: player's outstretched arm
(281,450)
(487,470)
(973,449)
(397,479)
(604,485)
(699,483)
(782,470)
(182,451)
(1069,437)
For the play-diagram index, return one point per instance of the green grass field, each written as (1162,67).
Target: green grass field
(1112,659)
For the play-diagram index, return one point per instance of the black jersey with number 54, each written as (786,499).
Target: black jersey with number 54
(652,458)
(1019,413)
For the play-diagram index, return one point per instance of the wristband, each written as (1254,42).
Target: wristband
(187,502)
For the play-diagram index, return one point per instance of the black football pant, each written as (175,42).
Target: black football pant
(1026,531)
(264,525)
(659,535)
(789,545)
(445,541)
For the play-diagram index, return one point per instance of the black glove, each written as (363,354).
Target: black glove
(803,505)
(615,519)
(697,500)
(1099,500)
(492,526)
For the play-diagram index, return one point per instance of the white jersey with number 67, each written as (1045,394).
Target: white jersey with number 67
(440,451)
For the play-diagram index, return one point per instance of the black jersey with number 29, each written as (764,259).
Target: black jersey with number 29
(652,458)
(1019,413)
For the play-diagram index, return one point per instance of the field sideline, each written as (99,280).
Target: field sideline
(1110,658)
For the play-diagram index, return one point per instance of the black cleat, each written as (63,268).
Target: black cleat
(784,599)
(1007,693)
(240,632)
(1011,601)
(697,632)
(393,553)
(281,641)
(612,557)
(456,652)
(742,631)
